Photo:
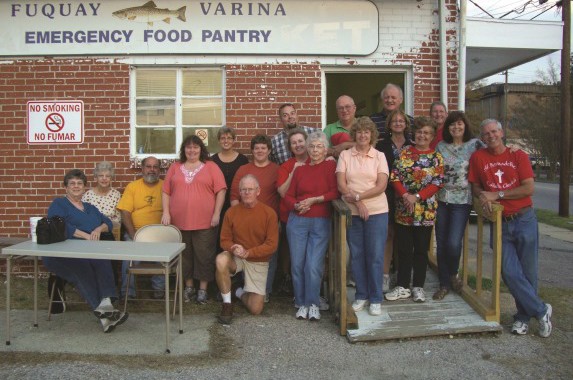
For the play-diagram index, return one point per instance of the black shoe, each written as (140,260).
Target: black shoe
(110,324)
(226,315)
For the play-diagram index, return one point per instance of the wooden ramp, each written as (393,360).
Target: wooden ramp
(408,319)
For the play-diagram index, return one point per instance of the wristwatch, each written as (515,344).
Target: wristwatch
(500,195)
(418,198)
(357,197)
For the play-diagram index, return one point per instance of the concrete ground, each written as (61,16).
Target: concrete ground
(276,345)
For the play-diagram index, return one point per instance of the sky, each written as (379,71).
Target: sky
(497,8)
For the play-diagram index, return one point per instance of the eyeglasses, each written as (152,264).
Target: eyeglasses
(345,108)
(247,190)
(317,146)
(151,166)
(226,138)
(425,133)
(75,183)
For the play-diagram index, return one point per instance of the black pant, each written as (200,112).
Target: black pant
(412,244)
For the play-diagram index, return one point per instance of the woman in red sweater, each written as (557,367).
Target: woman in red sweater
(308,198)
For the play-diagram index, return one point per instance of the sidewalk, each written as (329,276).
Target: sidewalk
(556,232)
(79,332)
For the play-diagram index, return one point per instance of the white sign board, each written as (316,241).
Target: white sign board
(57,122)
(73,27)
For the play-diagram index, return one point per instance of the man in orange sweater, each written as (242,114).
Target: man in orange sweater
(249,237)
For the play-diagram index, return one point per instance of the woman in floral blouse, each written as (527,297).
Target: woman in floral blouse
(417,176)
(454,199)
(103,196)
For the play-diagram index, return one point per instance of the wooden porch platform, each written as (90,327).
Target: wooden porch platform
(408,319)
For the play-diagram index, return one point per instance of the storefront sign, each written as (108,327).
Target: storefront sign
(57,122)
(71,27)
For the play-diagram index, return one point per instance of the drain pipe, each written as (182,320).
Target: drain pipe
(443,53)
(462,57)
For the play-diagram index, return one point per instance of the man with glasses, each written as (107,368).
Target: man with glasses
(141,205)
(249,237)
(338,133)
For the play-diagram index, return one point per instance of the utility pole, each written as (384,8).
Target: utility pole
(505,105)
(565,159)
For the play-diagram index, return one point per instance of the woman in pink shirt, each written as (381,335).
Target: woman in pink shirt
(362,175)
(193,195)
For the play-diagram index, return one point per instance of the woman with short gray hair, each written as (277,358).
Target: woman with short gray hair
(103,196)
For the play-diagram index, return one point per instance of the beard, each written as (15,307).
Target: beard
(150,178)
(291,125)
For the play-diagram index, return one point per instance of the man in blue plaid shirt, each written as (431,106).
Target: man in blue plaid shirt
(280,148)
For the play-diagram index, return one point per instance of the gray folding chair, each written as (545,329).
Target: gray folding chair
(156,233)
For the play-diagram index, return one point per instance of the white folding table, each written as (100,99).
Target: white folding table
(168,254)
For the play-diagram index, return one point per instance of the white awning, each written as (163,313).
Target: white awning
(495,45)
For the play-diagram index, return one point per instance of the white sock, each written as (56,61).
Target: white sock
(239,292)
(105,302)
(226,297)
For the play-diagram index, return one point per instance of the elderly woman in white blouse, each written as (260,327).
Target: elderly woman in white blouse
(103,196)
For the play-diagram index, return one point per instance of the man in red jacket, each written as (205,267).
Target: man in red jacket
(249,237)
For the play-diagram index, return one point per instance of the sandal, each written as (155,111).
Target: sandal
(440,294)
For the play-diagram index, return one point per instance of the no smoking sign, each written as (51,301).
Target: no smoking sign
(60,122)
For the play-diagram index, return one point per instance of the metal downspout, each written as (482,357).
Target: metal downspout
(462,57)
(443,54)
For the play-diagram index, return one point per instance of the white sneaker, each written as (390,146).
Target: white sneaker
(385,283)
(519,328)
(302,313)
(418,294)
(375,309)
(545,325)
(397,293)
(313,313)
(358,305)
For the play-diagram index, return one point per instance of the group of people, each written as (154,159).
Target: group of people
(399,177)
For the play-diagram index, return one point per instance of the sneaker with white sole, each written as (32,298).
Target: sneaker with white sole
(302,313)
(375,309)
(418,294)
(188,293)
(110,324)
(358,305)
(545,325)
(519,328)
(201,296)
(313,313)
(107,311)
(385,283)
(398,293)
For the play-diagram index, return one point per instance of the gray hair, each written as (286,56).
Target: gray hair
(224,130)
(246,177)
(317,136)
(490,121)
(104,166)
(389,86)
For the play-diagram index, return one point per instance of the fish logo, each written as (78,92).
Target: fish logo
(149,13)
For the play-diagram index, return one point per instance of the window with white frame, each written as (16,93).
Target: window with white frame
(169,104)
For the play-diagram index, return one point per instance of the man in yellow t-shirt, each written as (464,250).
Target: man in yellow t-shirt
(141,205)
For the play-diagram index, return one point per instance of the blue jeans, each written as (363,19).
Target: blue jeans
(308,240)
(451,223)
(157,281)
(92,278)
(519,265)
(366,240)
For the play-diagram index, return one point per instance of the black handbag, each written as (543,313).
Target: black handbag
(51,230)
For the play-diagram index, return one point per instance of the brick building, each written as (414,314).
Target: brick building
(147,74)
